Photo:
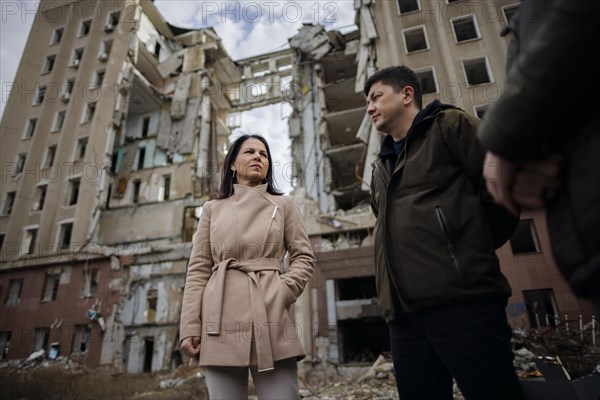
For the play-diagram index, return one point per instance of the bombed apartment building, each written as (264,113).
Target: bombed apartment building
(112,140)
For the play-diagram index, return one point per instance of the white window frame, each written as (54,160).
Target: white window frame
(475,107)
(75,59)
(58,240)
(84,117)
(80,33)
(76,157)
(20,156)
(487,66)
(53,41)
(24,247)
(47,156)
(410,12)
(414,28)
(28,128)
(36,97)
(95,78)
(45,68)
(515,5)
(36,199)
(474,17)
(435,79)
(55,127)
(69,193)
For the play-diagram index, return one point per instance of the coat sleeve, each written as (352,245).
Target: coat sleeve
(541,102)
(301,257)
(198,272)
(462,141)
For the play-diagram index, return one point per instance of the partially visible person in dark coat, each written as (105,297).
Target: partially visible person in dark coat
(438,279)
(543,139)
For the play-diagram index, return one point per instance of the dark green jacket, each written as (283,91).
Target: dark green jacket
(434,240)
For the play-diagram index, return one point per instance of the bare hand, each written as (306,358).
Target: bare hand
(191,346)
(499,175)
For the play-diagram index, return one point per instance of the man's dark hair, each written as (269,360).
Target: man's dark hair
(227,179)
(397,77)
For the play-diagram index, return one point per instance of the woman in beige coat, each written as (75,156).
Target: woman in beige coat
(235,314)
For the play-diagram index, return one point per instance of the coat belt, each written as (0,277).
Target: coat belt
(262,338)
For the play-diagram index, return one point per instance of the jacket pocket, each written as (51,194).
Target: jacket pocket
(451,249)
(289,296)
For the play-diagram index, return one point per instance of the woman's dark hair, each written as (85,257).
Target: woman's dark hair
(227,179)
(398,77)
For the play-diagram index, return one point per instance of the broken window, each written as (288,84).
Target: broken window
(48,64)
(524,239)
(141,157)
(145,126)
(465,28)
(151,302)
(165,189)
(89,282)
(4,343)
(14,292)
(84,28)
(1,240)
(406,6)
(76,58)
(59,121)
(65,235)
(148,353)
(81,339)
(415,39)
(67,90)
(541,307)
(20,164)
(40,339)
(81,148)
(50,287)
(30,240)
(426,78)
(39,95)
(73,191)
(40,197)
(57,36)
(99,78)
(476,71)
(50,154)
(9,201)
(480,111)
(136,190)
(509,11)
(157,49)
(105,48)
(30,128)
(88,113)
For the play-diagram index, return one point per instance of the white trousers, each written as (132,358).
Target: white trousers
(231,383)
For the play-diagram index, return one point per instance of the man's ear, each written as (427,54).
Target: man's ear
(408,94)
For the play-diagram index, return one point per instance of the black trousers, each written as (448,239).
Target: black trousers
(470,342)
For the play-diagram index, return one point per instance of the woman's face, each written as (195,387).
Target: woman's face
(252,163)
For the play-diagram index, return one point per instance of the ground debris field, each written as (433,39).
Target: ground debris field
(63,379)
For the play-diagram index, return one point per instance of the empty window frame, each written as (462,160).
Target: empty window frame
(477,71)
(67,90)
(4,343)
(59,120)
(9,201)
(81,339)
(84,28)
(73,195)
(112,21)
(40,339)
(50,156)
(141,158)
(30,128)
(525,239)
(98,78)
(81,148)
(427,80)
(51,284)
(415,39)
(40,94)
(465,28)
(76,57)
(407,6)
(13,296)
(145,126)
(105,48)
(136,191)
(40,197)
(165,189)
(88,112)
(56,36)
(480,110)
(65,231)
(1,240)
(509,11)
(541,307)
(29,240)
(151,303)
(89,282)
(48,64)
(19,164)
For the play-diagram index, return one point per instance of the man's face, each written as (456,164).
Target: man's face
(384,106)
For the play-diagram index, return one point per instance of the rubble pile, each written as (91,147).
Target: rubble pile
(39,361)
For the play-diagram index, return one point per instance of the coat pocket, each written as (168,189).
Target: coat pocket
(289,295)
(443,223)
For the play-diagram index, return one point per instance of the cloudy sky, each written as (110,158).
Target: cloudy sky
(247,28)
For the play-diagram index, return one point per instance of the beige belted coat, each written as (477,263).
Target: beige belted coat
(236,296)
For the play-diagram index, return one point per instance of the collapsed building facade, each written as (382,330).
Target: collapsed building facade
(120,123)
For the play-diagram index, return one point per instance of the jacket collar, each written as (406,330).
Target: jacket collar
(432,110)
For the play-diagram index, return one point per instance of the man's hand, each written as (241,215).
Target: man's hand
(521,185)
(191,346)
(499,175)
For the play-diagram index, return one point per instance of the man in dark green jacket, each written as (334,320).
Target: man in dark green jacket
(438,278)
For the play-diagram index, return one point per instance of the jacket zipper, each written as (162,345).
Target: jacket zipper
(444,226)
